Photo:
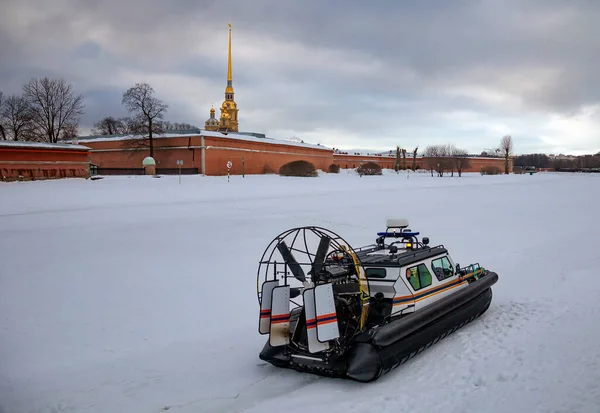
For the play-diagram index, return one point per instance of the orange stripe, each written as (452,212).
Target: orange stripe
(438,292)
(403,297)
(447,285)
(425,291)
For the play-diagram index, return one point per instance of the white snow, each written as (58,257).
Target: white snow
(41,145)
(135,294)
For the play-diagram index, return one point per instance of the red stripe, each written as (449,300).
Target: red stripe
(326,316)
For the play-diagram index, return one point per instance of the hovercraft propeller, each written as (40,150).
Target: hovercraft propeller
(330,285)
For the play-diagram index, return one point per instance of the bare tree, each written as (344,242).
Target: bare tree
(138,129)
(432,153)
(438,159)
(414,163)
(446,163)
(142,103)
(449,154)
(18,118)
(136,125)
(109,126)
(54,107)
(397,163)
(70,132)
(460,160)
(506,147)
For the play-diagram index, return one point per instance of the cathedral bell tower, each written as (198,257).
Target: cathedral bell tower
(228,121)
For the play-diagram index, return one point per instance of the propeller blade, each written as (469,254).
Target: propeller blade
(321,254)
(291,262)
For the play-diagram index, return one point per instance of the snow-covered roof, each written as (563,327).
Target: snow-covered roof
(266,139)
(41,145)
(363,154)
(231,135)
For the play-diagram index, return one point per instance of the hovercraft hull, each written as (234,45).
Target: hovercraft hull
(377,352)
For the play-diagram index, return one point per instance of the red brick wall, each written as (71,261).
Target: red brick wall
(42,163)
(353,161)
(125,154)
(257,155)
(478,163)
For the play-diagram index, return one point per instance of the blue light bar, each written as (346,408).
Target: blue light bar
(397,234)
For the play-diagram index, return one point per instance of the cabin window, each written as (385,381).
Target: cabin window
(376,272)
(442,268)
(419,277)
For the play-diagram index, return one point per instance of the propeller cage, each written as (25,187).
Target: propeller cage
(312,290)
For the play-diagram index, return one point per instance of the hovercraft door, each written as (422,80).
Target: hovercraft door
(314,345)
(280,316)
(327,326)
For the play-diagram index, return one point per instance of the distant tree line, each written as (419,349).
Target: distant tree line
(448,158)
(540,160)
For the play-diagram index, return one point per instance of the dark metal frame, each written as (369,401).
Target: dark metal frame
(336,241)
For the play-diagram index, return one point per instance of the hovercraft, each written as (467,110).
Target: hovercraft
(359,313)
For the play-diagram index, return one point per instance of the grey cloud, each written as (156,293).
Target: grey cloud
(105,101)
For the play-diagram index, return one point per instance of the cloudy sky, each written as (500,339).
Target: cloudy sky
(343,73)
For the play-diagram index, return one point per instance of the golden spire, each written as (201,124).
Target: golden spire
(229,76)
(229,110)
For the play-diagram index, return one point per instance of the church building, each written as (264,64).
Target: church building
(228,121)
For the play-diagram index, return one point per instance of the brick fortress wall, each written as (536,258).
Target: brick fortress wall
(32,161)
(259,155)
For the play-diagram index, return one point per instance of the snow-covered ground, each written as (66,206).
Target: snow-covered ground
(134,294)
